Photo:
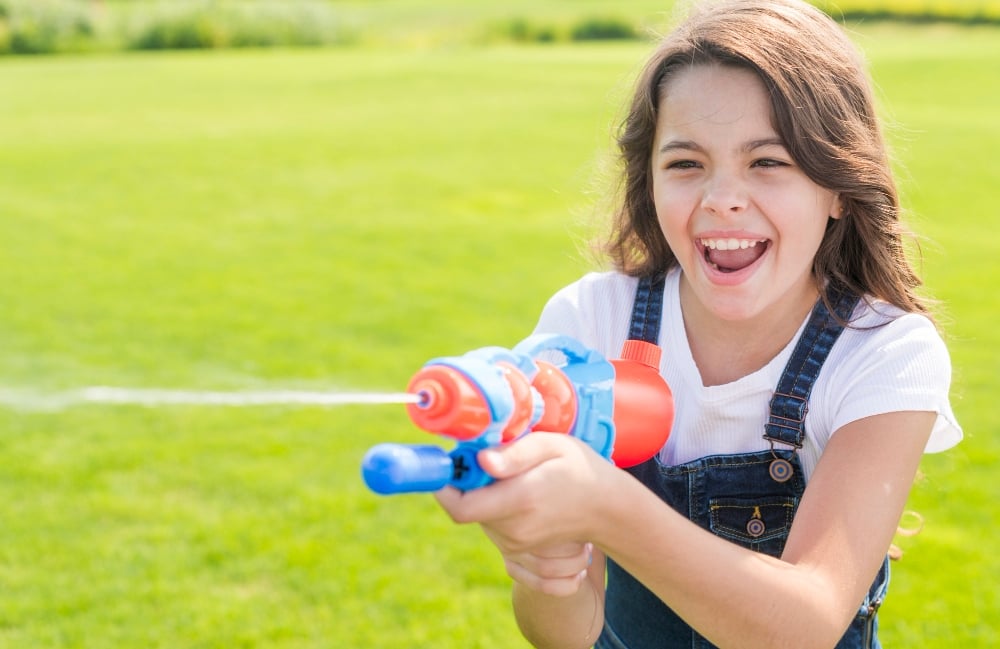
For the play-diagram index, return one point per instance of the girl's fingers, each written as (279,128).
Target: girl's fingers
(558,566)
(559,585)
(504,462)
(513,459)
(558,561)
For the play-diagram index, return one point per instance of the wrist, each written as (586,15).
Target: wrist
(560,621)
(607,510)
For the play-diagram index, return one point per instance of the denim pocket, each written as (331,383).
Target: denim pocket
(761,524)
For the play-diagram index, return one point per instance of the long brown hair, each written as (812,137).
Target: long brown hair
(824,111)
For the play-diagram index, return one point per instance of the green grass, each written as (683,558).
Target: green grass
(938,92)
(331,220)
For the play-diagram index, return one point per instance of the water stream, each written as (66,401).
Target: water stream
(33,401)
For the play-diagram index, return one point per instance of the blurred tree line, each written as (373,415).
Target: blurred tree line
(53,26)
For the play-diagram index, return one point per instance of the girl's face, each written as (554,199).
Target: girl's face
(742,219)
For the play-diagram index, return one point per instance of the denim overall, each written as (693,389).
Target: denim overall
(748,498)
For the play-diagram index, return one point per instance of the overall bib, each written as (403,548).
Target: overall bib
(748,498)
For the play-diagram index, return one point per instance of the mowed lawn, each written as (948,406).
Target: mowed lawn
(330,220)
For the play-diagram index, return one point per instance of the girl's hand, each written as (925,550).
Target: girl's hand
(542,510)
(557,570)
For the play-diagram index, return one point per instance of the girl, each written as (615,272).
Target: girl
(758,242)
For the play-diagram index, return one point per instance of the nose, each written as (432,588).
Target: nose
(724,194)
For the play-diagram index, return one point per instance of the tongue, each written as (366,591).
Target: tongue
(733,260)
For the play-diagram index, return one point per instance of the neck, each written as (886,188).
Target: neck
(727,350)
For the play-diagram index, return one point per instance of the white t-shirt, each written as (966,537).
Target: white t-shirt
(903,365)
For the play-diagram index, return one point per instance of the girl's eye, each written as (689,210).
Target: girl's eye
(768,163)
(682,164)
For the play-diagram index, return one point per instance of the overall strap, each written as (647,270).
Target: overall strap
(791,397)
(648,309)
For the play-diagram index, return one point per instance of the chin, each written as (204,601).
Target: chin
(731,305)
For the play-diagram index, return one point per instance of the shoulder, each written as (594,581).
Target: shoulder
(888,360)
(594,309)
(881,333)
(596,287)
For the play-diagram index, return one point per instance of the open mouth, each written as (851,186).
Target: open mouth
(731,255)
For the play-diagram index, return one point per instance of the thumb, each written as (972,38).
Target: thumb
(519,456)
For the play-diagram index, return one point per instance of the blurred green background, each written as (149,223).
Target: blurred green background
(324,195)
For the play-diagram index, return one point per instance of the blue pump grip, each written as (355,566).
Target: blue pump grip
(405,468)
(414,468)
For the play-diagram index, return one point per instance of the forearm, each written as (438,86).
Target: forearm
(563,622)
(739,598)
(733,596)
(729,594)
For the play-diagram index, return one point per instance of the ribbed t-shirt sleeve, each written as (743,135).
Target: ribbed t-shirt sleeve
(901,366)
(595,310)
(561,314)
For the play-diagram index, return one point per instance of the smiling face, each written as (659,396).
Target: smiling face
(742,219)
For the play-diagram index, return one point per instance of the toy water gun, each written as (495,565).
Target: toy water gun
(622,408)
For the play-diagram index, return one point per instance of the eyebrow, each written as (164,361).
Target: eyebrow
(679,145)
(688,145)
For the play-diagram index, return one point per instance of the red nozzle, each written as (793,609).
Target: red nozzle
(449,403)
(452,403)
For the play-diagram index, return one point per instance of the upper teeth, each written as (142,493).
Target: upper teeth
(730,244)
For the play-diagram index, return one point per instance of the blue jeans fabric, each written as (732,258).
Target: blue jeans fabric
(736,497)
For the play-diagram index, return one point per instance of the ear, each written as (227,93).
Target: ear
(836,208)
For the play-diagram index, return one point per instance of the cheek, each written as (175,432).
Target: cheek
(675,226)
(799,215)
(828,208)
(673,211)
